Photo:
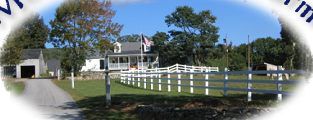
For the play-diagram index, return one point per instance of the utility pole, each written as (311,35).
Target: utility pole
(226,47)
(249,53)
(292,56)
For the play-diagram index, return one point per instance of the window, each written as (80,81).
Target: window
(101,64)
(117,48)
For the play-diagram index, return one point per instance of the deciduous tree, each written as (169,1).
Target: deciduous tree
(79,25)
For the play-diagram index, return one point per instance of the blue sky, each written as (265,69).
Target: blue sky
(234,19)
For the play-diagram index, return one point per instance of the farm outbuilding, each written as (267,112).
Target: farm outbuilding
(265,66)
(32,64)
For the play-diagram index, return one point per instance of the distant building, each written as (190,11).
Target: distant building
(264,66)
(53,66)
(32,65)
(125,56)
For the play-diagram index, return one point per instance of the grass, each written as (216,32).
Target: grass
(16,88)
(90,97)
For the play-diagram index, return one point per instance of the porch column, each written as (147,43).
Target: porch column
(149,60)
(118,62)
(138,62)
(128,62)
(108,62)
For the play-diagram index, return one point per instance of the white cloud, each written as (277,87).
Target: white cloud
(127,1)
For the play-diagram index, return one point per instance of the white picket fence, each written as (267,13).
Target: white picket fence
(136,76)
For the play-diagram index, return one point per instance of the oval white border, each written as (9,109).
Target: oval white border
(298,107)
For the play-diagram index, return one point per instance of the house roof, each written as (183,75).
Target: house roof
(94,55)
(129,53)
(264,63)
(127,48)
(130,46)
(30,54)
(53,64)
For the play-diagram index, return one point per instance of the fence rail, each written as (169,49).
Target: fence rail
(176,75)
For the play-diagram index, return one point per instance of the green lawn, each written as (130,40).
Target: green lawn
(90,97)
(16,88)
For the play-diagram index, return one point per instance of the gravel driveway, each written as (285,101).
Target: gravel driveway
(53,102)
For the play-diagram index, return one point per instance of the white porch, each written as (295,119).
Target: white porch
(132,62)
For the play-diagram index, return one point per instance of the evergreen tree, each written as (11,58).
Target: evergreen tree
(32,34)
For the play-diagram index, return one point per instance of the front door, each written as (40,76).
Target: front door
(133,62)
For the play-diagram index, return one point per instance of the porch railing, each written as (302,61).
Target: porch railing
(126,66)
(118,66)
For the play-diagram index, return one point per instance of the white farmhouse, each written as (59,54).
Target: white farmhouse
(125,56)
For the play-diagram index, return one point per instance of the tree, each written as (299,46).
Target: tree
(160,40)
(129,38)
(11,51)
(32,34)
(195,33)
(268,50)
(79,25)
(297,53)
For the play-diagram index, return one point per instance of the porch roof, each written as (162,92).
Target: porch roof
(97,54)
(129,53)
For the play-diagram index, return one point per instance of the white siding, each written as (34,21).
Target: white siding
(92,65)
(29,62)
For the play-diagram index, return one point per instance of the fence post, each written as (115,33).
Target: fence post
(128,77)
(185,68)
(107,87)
(179,82)
(59,74)
(168,80)
(121,76)
(160,82)
(191,79)
(279,85)
(206,82)
(144,79)
(225,82)
(249,84)
(124,77)
(133,77)
(178,79)
(139,75)
(151,81)
(72,78)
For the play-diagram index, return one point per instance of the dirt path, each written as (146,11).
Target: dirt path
(53,102)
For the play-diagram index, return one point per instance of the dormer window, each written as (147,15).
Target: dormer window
(117,47)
